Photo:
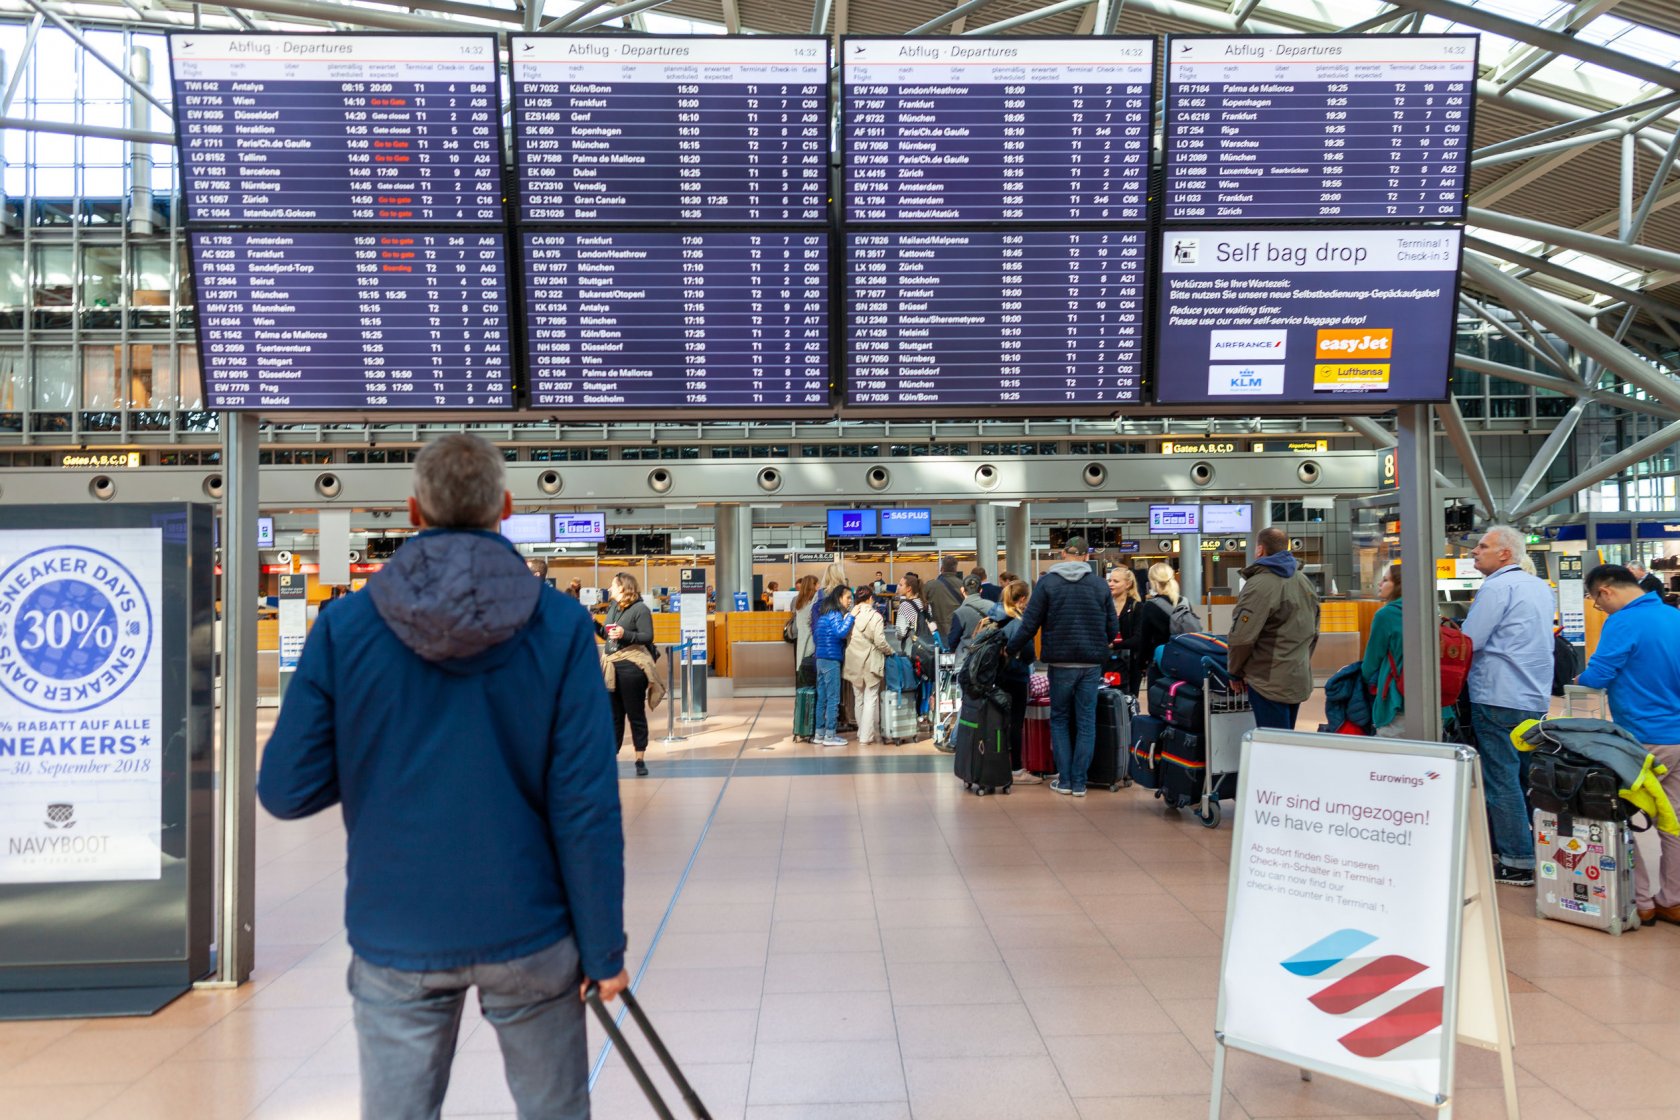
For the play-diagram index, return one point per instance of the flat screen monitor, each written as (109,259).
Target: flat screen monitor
(624,129)
(1326,316)
(936,130)
(365,129)
(1175,519)
(580,528)
(528,528)
(375,319)
(906,522)
(1221,519)
(852,523)
(265,532)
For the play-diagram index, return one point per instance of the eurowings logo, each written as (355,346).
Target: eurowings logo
(1368,980)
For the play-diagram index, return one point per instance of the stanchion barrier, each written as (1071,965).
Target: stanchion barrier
(671,653)
(693,699)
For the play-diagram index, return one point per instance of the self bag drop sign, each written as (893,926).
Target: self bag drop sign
(81,705)
(1299,317)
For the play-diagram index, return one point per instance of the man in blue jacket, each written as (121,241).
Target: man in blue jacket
(1071,604)
(1637,663)
(458,713)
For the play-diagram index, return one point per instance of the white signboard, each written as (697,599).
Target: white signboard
(294,620)
(81,705)
(1347,913)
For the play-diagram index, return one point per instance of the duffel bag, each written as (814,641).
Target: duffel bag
(1194,657)
(1179,703)
(899,673)
(1565,784)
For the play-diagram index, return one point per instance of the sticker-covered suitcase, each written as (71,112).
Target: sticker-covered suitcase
(804,714)
(1114,739)
(1583,872)
(1036,755)
(898,716)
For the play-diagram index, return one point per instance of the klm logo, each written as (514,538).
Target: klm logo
(1246,379)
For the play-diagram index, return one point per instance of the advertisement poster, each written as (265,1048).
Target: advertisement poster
(1298,317)
(1342,910)
(294,619)
(1572,599)
(81,705)
(691,582)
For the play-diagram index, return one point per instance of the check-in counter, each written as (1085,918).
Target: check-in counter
(759,659)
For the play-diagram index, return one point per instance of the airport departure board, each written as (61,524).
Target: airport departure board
(997,130)
(628,129)
(338,128)
(1301,128)
(395,319)
(1326,315)
(699,320)
(949,321)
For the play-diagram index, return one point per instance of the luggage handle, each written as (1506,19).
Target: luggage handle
(592,995)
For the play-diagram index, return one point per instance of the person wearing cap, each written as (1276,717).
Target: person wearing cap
(965,620)
(1071,604)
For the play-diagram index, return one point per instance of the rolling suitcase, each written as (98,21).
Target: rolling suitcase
(899,722)
(1036,756)
(1179,703)
(1114,737)
(1194,657)
(1183,761)
(1583,872)
(1144,765)
(981,742)
(696,1107)
(804,714)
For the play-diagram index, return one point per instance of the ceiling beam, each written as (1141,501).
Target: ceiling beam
(1657,441)
(1635,256)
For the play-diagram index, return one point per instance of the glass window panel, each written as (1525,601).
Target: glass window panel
(14,390)
(55,60)
(189,387)
(102,378)
(54,292)
(107,114)
(12,285)
(55,182)
(65,113)
(98,80)
(105,153)
(104,182)
(102,278)
(54,368)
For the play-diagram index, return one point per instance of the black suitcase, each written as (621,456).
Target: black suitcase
(1145,762)
(1184,762)
(1179,703)
(1114,739)
(981,744)
(696,1107)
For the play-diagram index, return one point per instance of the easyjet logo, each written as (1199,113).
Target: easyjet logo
(1377,343)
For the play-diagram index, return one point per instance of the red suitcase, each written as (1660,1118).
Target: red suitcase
(1035,739)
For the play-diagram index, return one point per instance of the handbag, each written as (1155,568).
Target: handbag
(790,632)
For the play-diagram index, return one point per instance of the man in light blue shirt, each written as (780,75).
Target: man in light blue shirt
(1637,663)
(1510,630)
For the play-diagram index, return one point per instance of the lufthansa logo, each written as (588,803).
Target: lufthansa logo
(75,629)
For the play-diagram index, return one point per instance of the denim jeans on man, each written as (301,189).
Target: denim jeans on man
(1073,706)
(406,1025)
(1507,805)
(828,697)
(1270,713)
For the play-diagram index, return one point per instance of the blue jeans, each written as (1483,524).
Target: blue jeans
(1507,804)
(1271,713)
(406,1023)
(828,697)
(1073,707)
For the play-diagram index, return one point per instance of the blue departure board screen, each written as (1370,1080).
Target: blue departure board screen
(955,321)
(997,130)
(628,129)
(1332,316)
(666,320)
(389,320)
(338,128)
(1298,128)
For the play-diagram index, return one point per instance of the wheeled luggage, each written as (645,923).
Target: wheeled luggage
(696,1108)
(981,742)
(804,714)
(899,722)
(1179,703)
(1144,765)
(1584,872)
(1184,763)
(1194,657)
(1114,737)
(1036,755)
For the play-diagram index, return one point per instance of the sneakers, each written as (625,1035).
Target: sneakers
(1057,787)
(1507,876)
(1079,793)
(641,769)
(1026,778)
(831,741)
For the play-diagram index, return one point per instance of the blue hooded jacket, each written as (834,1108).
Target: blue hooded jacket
(456,708)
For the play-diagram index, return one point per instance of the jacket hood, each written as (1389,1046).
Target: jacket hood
(451,595)
(1072,570)
(1283,563)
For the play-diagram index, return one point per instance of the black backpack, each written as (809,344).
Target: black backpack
(1564,666)
(987,652)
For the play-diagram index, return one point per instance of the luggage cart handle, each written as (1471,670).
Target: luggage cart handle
(592,995)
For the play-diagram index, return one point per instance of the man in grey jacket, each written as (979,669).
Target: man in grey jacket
(1274,629)
(967,618)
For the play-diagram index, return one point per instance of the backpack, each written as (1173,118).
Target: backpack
(1181,619)
(1565,667)
(978,675)
(1456,652)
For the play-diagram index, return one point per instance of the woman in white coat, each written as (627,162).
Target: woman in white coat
(866,663)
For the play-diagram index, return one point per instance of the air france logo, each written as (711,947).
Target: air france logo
(75,629)
(1361,982)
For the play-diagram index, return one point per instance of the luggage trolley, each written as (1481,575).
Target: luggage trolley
(1226,717)
(946,700)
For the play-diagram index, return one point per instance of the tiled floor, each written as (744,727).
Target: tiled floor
(858,939)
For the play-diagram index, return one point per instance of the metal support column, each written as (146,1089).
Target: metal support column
(140,155)
(727,540)
(985,539)
(1418,544)
(1017,541)
(1262,520)
(236,937)
(1190,569)
(744,549)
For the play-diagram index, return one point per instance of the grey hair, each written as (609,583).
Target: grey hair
(1504,536)
(459,480)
